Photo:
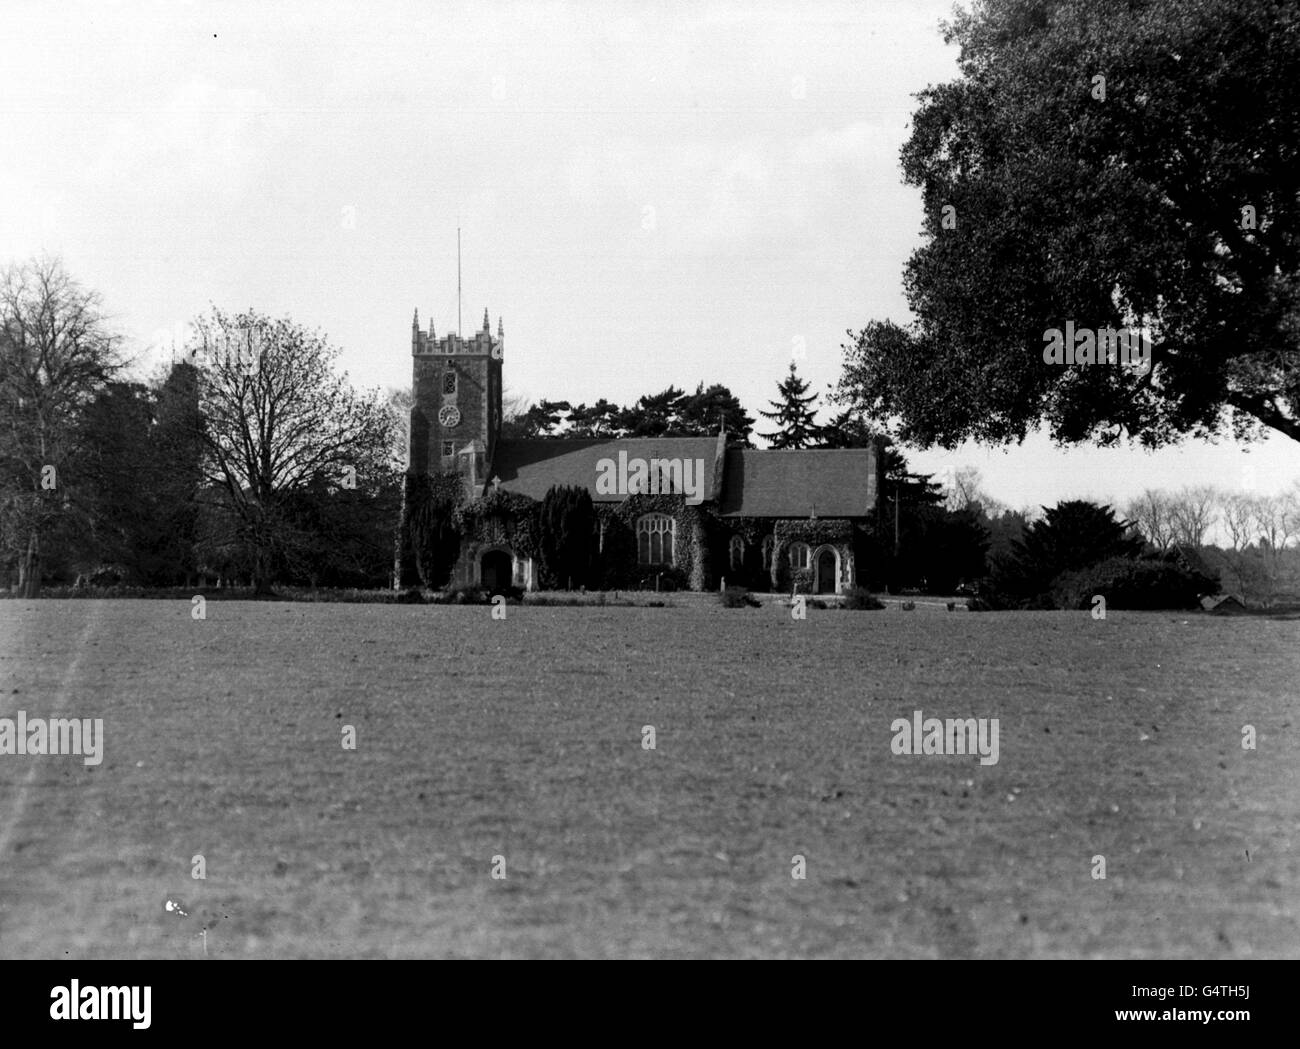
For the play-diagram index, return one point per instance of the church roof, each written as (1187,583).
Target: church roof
(530,467)
(756,483)
(832,482)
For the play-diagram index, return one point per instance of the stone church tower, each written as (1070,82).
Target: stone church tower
(456,417)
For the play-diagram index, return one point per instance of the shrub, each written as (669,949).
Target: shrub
(597,599)
(909,606)
(464,594)
(1133,583)
(738,597)
(410,597)
(978,604)
(860,599)
(1071,537)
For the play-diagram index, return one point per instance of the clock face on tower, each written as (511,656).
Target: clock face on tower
(449,416)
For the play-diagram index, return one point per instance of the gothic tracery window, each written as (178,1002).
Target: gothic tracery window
(655,534)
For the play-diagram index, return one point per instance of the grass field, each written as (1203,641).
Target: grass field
(522,738)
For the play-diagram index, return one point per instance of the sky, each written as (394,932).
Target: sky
(648,194)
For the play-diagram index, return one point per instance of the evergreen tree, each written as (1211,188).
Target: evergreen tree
(703,411)
(849,429)
(568,521)
(541,420)
(1072,535)
(429,526)
(654,415)
(793,414)
(599,420)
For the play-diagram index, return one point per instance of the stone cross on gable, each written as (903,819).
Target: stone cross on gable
(496,484)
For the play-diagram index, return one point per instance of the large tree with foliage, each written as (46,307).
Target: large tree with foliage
(1116,163)
(543,419)
(137,475)
(276,420)
(56,352)
(599,420)
(654,415)
(669,413)
(703,411)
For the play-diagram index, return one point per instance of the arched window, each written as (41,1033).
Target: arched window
(767,553)
(449,382)
(654,539)
(737,553)
(800,555)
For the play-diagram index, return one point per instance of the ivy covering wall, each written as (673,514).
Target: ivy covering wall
(428,542)
(501,518)
(694,528)
(836,532)
(439,523)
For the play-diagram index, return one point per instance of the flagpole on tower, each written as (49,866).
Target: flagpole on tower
(457,280)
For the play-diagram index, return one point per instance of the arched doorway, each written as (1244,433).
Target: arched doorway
(497,570)
(827,563)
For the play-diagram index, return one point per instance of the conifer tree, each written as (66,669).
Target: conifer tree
(793,414)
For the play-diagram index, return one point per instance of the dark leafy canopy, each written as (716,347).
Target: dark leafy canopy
(669,413)
(703,411)
(1117,212)
(138,474)
(540,420)
(1071,536)
(429,522)
(849,429)
(568,522)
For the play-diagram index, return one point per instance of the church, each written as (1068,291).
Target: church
(671,512)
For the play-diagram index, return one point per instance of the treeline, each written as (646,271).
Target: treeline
(670,413)
(676,413)
(1249,539)
(249,460)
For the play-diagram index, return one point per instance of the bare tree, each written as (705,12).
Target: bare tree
(513,405)
(1152,514)
(277,420)
(1192,513)
(1277,521)
(965,490)
(1238,514)
(56,351)
(400,400)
